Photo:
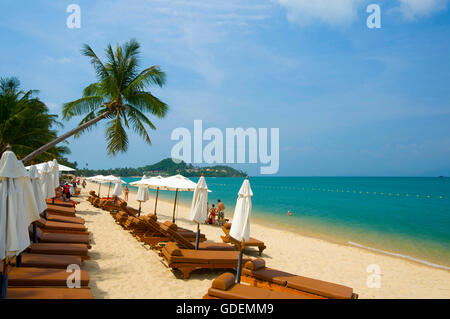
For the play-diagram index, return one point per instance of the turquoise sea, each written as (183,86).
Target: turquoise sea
(408,217)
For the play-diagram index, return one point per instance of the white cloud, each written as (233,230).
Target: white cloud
(412,9)
(331,12)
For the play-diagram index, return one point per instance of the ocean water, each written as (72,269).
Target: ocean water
(405,217)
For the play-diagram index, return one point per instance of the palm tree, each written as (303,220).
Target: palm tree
(25,123)
(119,96)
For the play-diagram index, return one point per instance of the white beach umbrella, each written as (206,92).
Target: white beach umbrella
(61,168)
(48,188)
(199,206)
(16,197)
(177,183)
(111,179)
(97,179)
(155,182)
(37,188)
(38,195)
(240,228)
(142,194)
(55,172)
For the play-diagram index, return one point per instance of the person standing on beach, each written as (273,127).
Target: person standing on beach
(125,191)
(221,214)
(84,183)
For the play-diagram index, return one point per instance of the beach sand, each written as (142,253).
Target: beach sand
(122,267)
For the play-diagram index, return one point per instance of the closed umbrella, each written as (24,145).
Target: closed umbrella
(16,197)
(142,194)
(38,195)
(117,189)
(240,228)
(48,187)
(199,210)
(54,168)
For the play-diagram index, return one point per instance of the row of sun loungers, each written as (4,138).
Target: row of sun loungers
(42,273)
(179,253)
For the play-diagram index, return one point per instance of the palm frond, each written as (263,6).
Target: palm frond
(116,137)
(81,106)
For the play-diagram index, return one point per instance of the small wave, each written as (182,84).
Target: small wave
(400,255)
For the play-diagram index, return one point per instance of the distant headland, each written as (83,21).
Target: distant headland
(167,167)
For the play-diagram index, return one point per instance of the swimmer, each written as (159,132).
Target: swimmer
(289,213)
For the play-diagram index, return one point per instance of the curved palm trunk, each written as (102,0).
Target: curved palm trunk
(53,143)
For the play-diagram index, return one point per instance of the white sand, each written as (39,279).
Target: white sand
(121,267)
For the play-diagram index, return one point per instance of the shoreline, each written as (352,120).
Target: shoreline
(296,230)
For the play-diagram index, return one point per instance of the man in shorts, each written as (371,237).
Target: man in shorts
(221,214)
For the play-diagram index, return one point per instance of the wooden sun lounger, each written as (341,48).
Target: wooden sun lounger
(59,202)
(48,261)
(251,243)
(42,277)
(64,219)
(188,260)
(59,227)
(225,287)
(80,250)
(61,210)
(257,274)
(48,293)
(182,242)
(62,238)
(155,234)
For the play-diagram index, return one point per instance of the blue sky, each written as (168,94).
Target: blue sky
(348,100)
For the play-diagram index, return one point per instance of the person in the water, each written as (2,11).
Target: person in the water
(289,213)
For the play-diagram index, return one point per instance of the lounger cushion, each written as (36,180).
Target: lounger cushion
(319,287)
(58,249)
(48,293)
(255,264)
(239,291)
(216,246)
(224,281)
(60,238)
(204,257)
(25,276)
(49,225)
(170,225)
(269,274)
(173,249)
(49,261)
(65,219)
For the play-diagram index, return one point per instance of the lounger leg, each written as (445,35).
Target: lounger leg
(186,272)
(261,249)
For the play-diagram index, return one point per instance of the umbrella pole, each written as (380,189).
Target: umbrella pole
(197,238)
(139,212)
(156,201)
(4,276)
(174,206)
(4,279)
(239,266)
(109,187)
(34,233)
(19,260)
(99,184)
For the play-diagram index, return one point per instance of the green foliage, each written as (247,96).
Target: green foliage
(25,123)
(168,167)
(120,91)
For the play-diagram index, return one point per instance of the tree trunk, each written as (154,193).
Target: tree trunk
(53,143)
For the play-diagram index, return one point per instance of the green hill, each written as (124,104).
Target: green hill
(168,167)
